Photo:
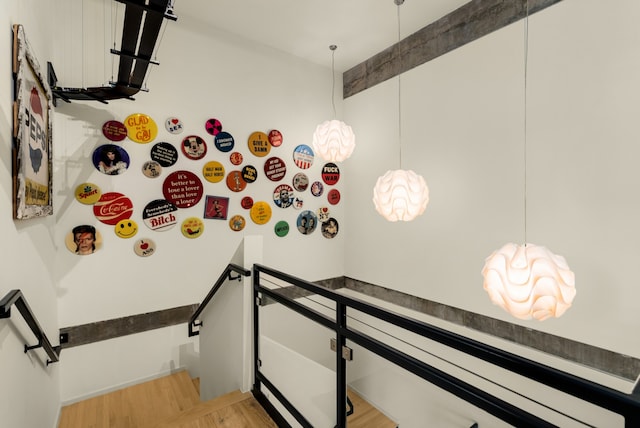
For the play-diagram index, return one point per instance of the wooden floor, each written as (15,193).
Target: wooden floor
(174,402)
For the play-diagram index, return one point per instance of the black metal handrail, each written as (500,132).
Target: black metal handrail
(626,405)
(15,297)
(224,276)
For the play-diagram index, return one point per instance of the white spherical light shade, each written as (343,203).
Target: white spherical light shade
(400,195)
(334,141)
(528,281)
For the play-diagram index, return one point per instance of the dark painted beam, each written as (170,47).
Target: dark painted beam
(464,25)
(110,329)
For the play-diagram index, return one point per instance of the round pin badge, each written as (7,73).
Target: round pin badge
(246,202)
(281,228)
(126,228)
(235,182)
(303,156)
(250,173)
(307,222)
(194,147)
(164,153)
(173,125)
(182,188)
(275,169)
(192,227)
(83,240)
(159,215)
(213,126)
(224,141)
(317,188)
(237,223)
(283,196)
(88,193)
(333,196)
(323,214)
(330,173)
(114,130)
(236,158)
(275,138)
(144,247)
(112,207)
(151,169)
(111,159)
(300,182)
(259,144)
(260,212)
(213,171)
(329,228)
(141,128)
(298,203)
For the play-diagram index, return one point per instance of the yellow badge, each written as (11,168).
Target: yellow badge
(88,193)
(261,212)
(126,228)
(192,227)
(141,128)
(237,223)
(259,144)
(213,171)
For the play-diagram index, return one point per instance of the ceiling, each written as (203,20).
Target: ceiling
(306,28)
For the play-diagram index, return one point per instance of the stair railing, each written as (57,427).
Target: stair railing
(15,297)
(626,405)
(224,276)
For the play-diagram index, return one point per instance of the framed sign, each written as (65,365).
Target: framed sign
(32,124)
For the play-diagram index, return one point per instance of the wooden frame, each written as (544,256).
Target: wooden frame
(32,126)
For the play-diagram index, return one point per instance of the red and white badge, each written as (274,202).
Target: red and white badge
(275,138)
(333,196)
(114,130)
(283,196)
(144,247)
(236,158)
(182,188)
(246,202)
(275,169)
(300,182)
(303,156)
(113,207)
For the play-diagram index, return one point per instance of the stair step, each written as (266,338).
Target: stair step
(365,415)
(235,409)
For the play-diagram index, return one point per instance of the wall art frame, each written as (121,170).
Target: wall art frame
(32,133)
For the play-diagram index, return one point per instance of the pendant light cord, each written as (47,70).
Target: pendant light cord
(399,62)
(526,56)
(333,79)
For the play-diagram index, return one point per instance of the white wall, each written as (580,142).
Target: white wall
(202,74)
(463,130)
(28,250)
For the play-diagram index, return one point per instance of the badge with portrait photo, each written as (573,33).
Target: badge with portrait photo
(151,169)
(283,196)
(83,240)
(330,228)
(111,159)
(307,222)
(216,207)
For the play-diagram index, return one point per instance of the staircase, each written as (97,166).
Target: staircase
(173,401)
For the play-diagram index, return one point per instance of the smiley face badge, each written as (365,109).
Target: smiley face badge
(126,228)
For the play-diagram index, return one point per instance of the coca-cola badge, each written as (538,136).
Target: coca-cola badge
(160,215)
(113,207)
(182,188)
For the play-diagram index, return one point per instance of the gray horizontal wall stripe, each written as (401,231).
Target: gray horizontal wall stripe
(616,364)
(464,25)
(109,329)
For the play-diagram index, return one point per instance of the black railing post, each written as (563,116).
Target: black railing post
(256,329)
(341,367)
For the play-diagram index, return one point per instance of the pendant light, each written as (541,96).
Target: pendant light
(333,140)
(400,195)
(528,281)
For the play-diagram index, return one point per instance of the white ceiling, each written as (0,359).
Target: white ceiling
(306,28)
